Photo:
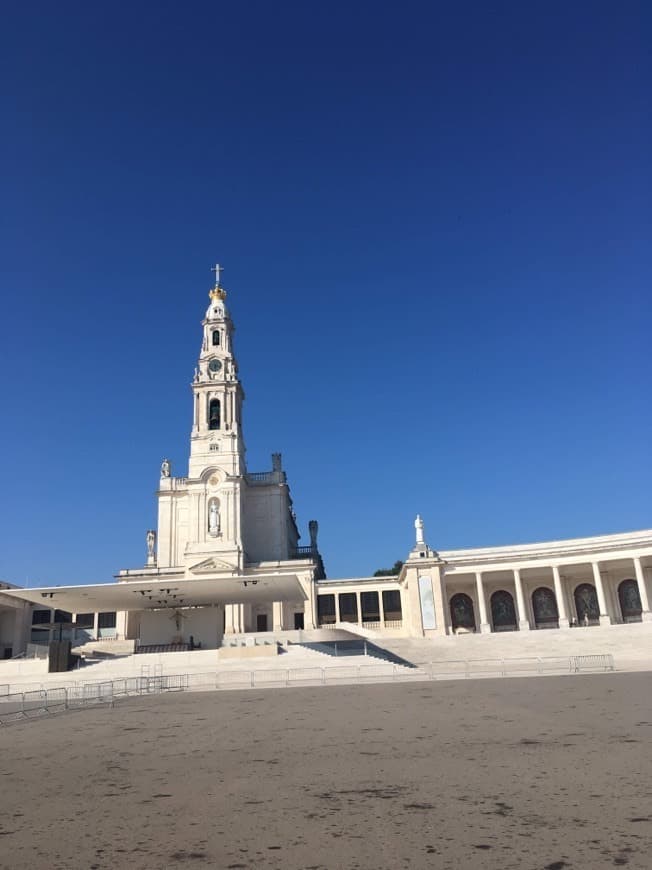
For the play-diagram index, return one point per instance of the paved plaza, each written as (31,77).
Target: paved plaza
(552,773)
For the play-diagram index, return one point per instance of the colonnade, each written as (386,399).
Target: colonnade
(559,585)
(372,607)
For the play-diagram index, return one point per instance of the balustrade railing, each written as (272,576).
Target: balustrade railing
(373,626)
(42,701)
(260,477)
(303,553)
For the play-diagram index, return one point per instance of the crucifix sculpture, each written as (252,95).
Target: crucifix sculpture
(218,272)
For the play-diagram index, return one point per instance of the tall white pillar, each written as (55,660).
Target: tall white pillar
(232,618)
(359,606)
(605,619)
(121,624)
(381,609)
(277,615)
(646,616)
(485,628)
(337,607)
(559,595)
(523,621)
(21,628)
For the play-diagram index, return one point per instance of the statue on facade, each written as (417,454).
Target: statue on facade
(151,545)
(277,463)
(313,528)
(213,519)
(166,468)
(418,525)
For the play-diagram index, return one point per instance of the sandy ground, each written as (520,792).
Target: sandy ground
(552,772)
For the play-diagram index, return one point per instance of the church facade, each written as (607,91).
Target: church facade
(225,560)
(222,522)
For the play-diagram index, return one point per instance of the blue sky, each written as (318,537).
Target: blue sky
(435,222)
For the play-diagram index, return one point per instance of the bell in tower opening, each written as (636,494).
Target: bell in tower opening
(214,414)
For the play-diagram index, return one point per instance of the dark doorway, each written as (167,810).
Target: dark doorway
(544,606)
(261,622)
(586,604)
(462,615)
(298,620)
(503,612)
(630,601)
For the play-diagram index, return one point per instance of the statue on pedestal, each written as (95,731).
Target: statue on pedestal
(418,525)
(151,544)
(166,468)
(213,519)
(313,528)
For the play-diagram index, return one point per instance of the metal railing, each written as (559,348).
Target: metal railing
(262,477)
(38,702)
(372,626)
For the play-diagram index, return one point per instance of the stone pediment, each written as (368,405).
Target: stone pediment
(211,566)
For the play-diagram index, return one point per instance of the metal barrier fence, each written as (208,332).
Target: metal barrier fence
(38,702)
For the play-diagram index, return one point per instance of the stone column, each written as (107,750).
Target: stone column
(230,617)
(359,606)
(121,624)
(559,595)
(485,628)
(605,619)
(381,609)
(523,621)
(310,615)
(646,616)
(277,615)
(337,607)
(21,629)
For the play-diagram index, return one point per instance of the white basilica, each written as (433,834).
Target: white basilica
(225,563)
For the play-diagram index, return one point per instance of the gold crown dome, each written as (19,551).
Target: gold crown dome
(217,293)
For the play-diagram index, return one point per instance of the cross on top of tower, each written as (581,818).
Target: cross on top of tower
(218,271)
(218,292)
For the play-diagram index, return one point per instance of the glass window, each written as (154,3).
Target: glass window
(348,607)
(41,617)
(62,616)
(216,337)
(392,604)
(369,606)
(326,609)
(84,620)
(106,620)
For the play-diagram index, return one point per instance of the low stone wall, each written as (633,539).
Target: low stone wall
(22,667)
(247,652)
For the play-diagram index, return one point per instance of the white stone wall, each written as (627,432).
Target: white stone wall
(266,514)
(205,624)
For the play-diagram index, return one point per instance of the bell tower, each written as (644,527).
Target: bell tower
(216,440)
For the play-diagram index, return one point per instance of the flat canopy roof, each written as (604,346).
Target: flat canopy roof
(147,595)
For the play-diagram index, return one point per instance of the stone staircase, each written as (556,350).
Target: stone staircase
(630,645)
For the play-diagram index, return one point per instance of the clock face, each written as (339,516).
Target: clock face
(214,365)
